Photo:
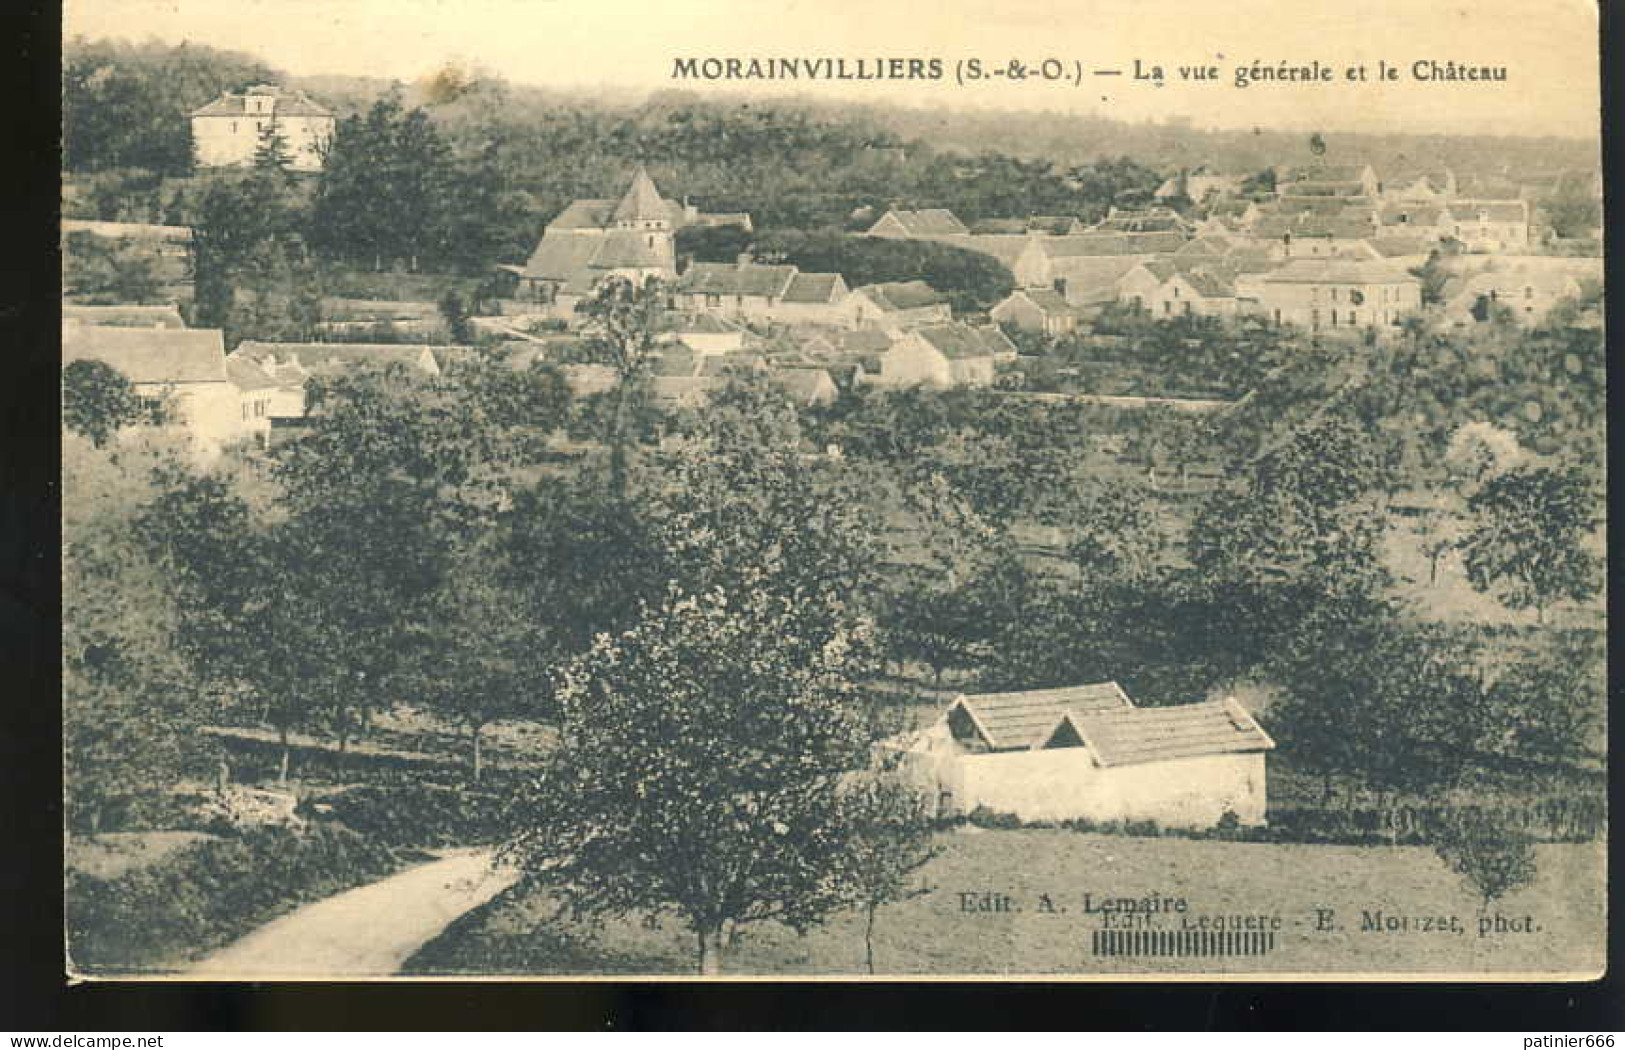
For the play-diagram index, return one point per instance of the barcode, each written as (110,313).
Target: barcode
(1183,943)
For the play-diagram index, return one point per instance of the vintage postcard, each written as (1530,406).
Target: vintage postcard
(783,490)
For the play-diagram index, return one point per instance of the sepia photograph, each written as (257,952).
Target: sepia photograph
(797,491)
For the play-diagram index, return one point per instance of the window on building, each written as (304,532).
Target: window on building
(1528,292)
(1334,317)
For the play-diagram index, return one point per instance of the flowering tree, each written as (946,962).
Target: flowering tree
(699,771)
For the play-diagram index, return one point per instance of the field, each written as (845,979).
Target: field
(1563,911)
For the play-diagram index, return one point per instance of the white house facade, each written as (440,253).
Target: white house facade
(1087,752)
(227,132)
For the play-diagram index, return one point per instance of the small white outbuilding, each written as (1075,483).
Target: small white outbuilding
(1086,752)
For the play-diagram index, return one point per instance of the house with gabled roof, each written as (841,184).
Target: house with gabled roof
(1338,293)
(1088,752)
(179,374)
(1319,179)
(1038,310)
(893,306)
(917,224)
(941,356)
(1430,185)
(749,290)
(227,132)
(1488,225)
(124,315)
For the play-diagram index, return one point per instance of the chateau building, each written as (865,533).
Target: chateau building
(227,132)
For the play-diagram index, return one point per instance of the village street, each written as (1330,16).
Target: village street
(365,932)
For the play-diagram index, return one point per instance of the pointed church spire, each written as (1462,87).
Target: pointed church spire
(642,201)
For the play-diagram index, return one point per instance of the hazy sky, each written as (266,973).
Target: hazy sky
(1549,48)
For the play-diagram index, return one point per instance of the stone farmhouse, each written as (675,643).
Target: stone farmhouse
(896,305)
(179,374)
(1087,752)
(1041,310)
(1334,293)
(227,132)
(944,356)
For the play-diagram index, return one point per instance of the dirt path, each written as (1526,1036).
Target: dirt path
(369,931)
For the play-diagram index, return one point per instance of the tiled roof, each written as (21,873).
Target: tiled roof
(755,279)
(1402,215)
(286,104)
(902,295)
(246,374)
(1084,244)
(1490,211)
(958,342)
(1339,271)
(1399,245)
(1011,721)
(561,254)
(583,215)
(327,357)
(620,249)
(814,288)
(150,355)
(125,316)
(1005,247)
(929,222)
(1048,300)
(641,202)
(1125,736)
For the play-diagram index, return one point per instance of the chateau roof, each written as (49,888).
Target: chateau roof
(642,202)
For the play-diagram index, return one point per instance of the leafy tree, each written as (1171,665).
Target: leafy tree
(1116,534)
(1572,209)
(701,759)
(272,153)
(129,701)
(475,658)
(97,401)
(1479,451)
(456,315)
(1363,695)
(1527,537)
(1309,511)
(1548,707)
(891,841)
(622,321)
(713,243)
(1492,858)
(109,270)
(971,281)
(1440,530)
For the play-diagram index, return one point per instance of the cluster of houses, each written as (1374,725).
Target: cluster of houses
(720,309)
(188,383)
(1332,248)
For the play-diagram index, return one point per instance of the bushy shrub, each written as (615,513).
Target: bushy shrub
(983,817)
(413,814)
(155,918)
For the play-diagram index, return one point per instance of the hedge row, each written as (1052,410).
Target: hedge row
(422,814)
(156,918)
(1557,819)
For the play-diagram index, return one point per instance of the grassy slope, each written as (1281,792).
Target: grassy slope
(516,935)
